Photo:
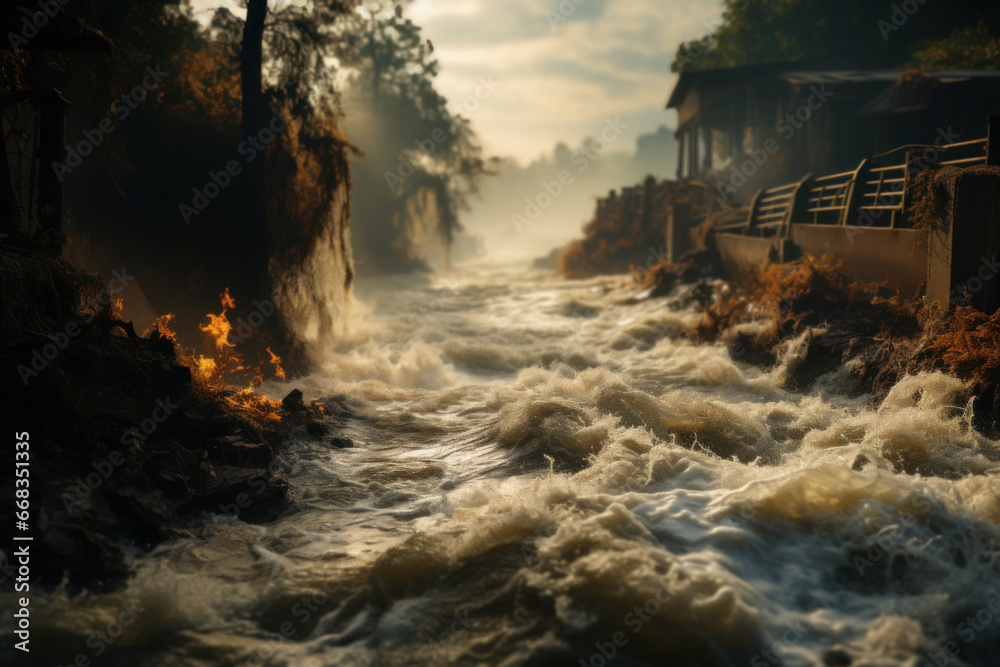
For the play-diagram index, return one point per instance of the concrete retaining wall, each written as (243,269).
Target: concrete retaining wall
(898,256)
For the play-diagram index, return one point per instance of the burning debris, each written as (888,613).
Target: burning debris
(275,361)
(147,436)
(218,326)
(223,365)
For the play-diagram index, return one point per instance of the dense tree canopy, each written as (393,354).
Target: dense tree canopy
(858,33)
(968,47)
(422,160)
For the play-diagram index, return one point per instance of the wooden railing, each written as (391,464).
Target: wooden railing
(873,194)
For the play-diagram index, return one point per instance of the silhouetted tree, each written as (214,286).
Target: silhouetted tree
(417,151)
(862,33)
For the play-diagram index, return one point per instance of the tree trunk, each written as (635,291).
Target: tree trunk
(253,229)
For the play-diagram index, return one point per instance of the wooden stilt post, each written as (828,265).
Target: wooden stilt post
(993,141)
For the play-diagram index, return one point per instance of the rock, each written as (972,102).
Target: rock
(335,408)
(341,443)
(234,451)
(293,401)
(247,493)
(837,657)
(316,429)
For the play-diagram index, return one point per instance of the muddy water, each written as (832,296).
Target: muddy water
(546,473)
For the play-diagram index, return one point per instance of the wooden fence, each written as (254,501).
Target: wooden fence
(875,194)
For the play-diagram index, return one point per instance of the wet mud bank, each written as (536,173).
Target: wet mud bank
(127,448)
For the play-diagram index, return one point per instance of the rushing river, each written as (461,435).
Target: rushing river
(547,473)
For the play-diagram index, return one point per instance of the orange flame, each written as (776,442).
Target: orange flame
(218,325)
(206,367)
(260,407)
(227,301)
(163,326)
(279,372)
(225,365)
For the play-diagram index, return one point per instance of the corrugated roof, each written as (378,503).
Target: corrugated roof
(688,79)
(914,93)
(876,76)
(800,78)
(789,72)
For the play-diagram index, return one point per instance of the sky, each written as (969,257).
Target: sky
(563,66)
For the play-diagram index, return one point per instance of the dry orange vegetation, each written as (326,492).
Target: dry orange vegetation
(803,293)
(209,87)
(846,319)
(885,335)
(969,343)
(627,229)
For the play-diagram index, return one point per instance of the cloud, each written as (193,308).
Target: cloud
(560,80)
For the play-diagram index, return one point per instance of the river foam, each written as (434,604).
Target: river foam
(548,473)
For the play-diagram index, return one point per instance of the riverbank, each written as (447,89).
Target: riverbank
(128,446)
(814,327)
(540,457)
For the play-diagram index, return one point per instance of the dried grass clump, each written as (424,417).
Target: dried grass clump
(885,336)
(728,310)
(853,319)
(777,293)
(39,293)
(663,274)
(969,343)
(932,196)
